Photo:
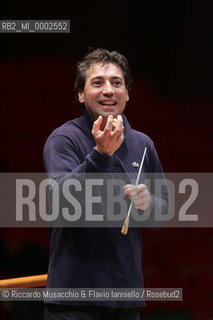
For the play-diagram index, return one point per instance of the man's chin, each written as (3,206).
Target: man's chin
(105,114)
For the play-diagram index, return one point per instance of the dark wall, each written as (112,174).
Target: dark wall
(169,46)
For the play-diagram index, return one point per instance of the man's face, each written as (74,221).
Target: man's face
(104,92)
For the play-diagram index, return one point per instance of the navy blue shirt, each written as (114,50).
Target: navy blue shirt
(96,257)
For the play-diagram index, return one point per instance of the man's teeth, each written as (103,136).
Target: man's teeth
(110,103)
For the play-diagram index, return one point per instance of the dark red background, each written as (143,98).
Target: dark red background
(169,46)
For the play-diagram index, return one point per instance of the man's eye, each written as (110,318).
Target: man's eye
(117,83)
(96,83)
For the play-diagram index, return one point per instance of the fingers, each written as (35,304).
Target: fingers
(133,190)
(118,124)
(117,120)
(111,138)
(114,127)
(139,195)
(108,126)
(96,125)
(141,203)
(112,123)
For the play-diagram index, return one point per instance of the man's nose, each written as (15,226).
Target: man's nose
(108,89)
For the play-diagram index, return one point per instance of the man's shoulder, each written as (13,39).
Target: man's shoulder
(141,136)
(68,129)
(135,135)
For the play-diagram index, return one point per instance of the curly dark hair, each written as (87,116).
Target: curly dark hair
(101,56)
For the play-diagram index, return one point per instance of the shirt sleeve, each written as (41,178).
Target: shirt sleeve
(158,202)
(62,155)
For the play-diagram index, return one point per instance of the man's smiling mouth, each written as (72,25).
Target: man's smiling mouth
(108,103)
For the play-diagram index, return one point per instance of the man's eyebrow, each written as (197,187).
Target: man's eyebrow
(100,77)
(117,77)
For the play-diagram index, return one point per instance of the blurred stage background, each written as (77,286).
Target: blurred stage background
(169,47)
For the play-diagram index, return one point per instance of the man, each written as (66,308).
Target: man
(101,140)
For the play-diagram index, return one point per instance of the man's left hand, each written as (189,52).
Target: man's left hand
(139,195)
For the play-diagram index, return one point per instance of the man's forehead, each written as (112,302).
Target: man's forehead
(102,69)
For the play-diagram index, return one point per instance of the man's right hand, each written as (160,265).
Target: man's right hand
(108,140)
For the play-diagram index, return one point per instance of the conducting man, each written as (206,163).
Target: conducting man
(101,140)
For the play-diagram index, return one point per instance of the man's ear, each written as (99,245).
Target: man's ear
(81,96)
(127,97)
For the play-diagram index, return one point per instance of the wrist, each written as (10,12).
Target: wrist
(103,153)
